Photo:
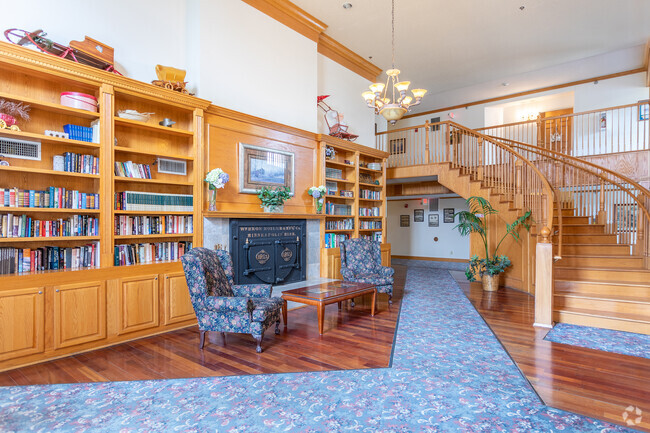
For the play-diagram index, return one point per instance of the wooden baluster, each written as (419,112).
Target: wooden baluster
(480,162)
(426,142)
(519,197)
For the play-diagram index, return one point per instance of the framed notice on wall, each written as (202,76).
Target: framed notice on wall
(404,220)
(418,215)
(448,215)
(434,220)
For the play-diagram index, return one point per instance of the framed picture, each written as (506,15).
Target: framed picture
(603,120)
(435,120)
(404,220)
(626,217)
(448,215)
(259,166)
(418,215)
(644,111)
(434,220)
(397,146)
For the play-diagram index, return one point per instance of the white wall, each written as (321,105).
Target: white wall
(418,239)
(345,88)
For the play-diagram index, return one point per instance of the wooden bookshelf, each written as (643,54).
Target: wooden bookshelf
(41,309)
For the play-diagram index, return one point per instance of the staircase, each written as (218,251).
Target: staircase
(598,282)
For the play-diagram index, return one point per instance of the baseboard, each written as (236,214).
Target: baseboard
(430,259)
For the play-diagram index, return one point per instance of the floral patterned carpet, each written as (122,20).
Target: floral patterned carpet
(449,374)
(625,343)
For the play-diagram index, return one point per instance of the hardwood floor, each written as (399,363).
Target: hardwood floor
(590,382)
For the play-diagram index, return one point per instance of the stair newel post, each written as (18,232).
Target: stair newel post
(602,214)
(480,162)
(519,196)
(427,159)
(544,278)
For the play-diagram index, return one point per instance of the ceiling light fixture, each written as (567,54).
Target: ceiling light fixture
(376,98)
(347,5)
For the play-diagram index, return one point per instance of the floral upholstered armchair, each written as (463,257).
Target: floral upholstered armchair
(361,263)
(220,305)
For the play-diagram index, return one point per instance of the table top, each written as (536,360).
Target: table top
(328,290)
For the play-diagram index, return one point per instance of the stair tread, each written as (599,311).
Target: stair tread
(606,314)
(596,296)
(605,283)
(601,256)
(600,268)
(594,245)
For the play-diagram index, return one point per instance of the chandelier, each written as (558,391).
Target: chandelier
(377,97)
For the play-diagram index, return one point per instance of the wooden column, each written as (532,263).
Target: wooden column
(544,281)
(481,160)
(106,167)
(519,196)
(200,165)
(602,214)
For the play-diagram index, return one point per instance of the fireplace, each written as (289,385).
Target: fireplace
(268,251)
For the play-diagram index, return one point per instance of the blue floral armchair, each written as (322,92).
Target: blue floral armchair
(220,305)
(361,263)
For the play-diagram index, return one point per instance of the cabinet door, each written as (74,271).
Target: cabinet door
(139,302)
(21,322)
(79,313)
(178,305)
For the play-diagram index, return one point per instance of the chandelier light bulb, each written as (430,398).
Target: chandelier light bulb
(403,86)
(418,93)
(377,88)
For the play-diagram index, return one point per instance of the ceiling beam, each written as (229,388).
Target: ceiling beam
(291,16)
(342,55)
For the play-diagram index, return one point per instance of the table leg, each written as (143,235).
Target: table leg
(374,299)
(284,312)
(321,317)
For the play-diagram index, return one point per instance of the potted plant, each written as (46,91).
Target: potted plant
(273,198)
(474,221)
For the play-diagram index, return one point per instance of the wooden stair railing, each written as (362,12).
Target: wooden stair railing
(498,167)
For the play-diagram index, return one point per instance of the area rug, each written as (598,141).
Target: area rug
(449,374)
(625,343)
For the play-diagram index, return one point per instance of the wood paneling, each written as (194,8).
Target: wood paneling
(178,305)
(79,313)
(21,322)
(138,301)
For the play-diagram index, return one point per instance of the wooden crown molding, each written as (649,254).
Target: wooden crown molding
(342,55)
(291,16)
(348,145)
(21,56)
(530,92)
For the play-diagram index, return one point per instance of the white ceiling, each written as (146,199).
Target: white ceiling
(445,45)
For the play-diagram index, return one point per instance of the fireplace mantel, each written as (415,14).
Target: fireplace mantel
(269,215)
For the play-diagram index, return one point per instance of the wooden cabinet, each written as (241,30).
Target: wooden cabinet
(138,302)
(79,313)
(21,322)
(178,305)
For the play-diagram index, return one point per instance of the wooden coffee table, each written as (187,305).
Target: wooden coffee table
(325,294)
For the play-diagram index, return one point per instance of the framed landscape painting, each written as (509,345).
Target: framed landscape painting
(259,166)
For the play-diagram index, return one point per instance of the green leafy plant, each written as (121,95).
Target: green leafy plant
(474,221)
(273,197)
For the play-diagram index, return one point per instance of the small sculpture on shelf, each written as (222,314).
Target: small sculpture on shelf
(171,78)
(334,119)
(9,111)
(216,178)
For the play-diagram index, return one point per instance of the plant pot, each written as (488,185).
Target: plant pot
(274,208)
(491,282)
(319,205)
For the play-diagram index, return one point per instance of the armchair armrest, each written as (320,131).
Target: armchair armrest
(252,290)
(347,274)
(385,271)
(228,304)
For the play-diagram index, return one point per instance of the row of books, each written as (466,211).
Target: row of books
(77,132)
(17,260)
(346,193)
(370,194)
(132,169)
(134,254)
(153,225)
(344,224)
(78,163)
(369,211)
(150,201)
(333,240)
(23,226)
(338,209)
(58,198)
(372,237)
(369,225)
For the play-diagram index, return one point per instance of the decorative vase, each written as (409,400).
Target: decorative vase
(491,282)
(319,205)
(213,199)
(274,208)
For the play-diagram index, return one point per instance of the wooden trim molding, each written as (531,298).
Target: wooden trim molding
(342,55)
(348,145)
(291,16)
(431,259)
(530,92)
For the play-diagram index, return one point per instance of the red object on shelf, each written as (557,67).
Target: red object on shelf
(334,120)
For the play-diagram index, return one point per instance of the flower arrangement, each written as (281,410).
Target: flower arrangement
(217,178)
(9,110)
(318,192)
(273,198)
(330,153)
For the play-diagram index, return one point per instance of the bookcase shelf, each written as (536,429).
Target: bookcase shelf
(46,239)
(49,106)
(32,170)
(150,213)
(157,236)
(151,181)
(151,127)
(9,209)
(47,139)
(122,149)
